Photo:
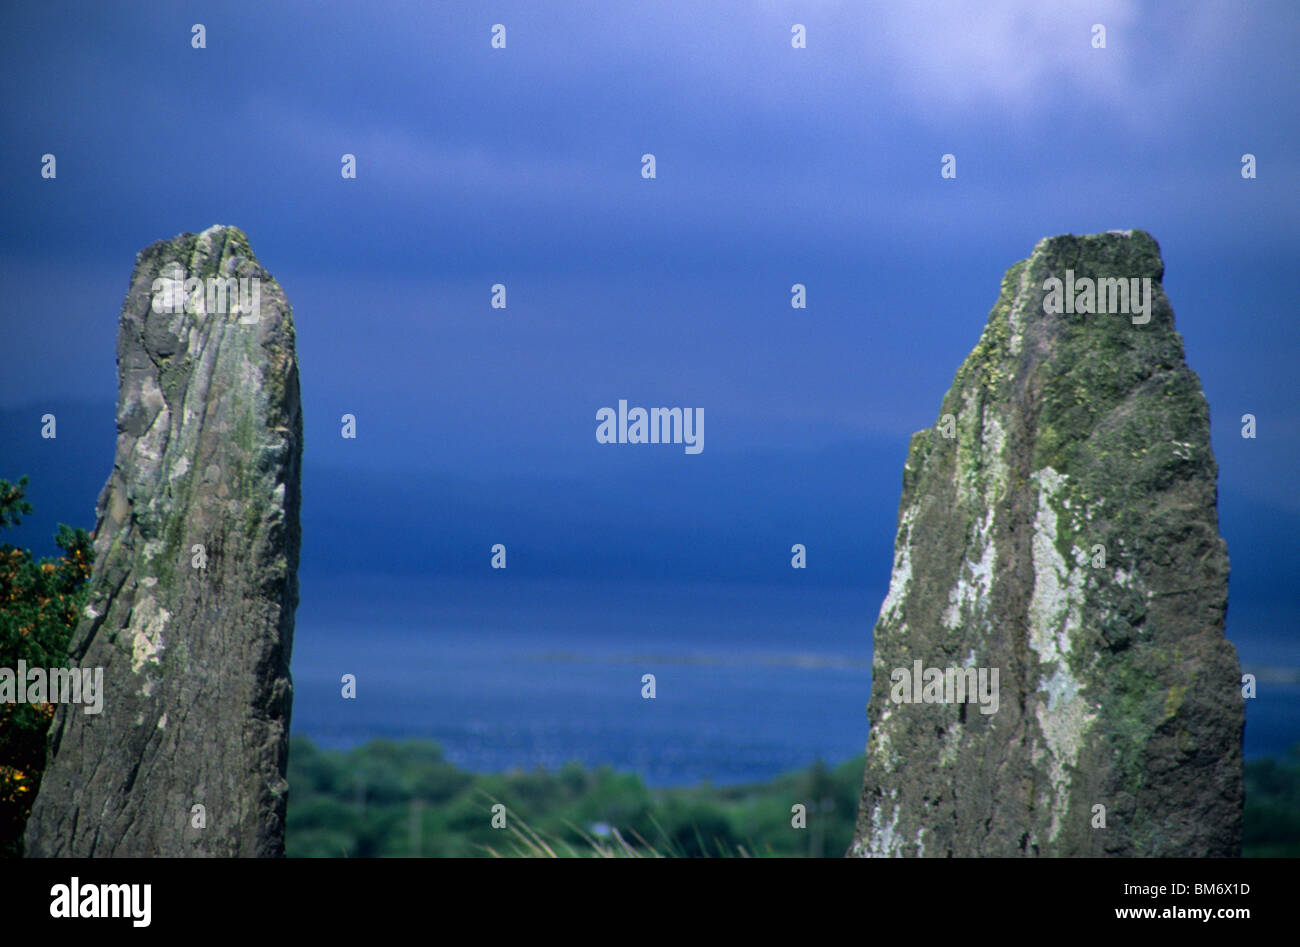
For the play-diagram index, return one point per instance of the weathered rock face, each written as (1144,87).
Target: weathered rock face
(1066,535)
(194,643)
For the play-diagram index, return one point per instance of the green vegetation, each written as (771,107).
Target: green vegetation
(388,799)
(40,603)
(400,799)
(1272,827)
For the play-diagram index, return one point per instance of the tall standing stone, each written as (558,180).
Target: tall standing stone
(195,579)
(1061,527)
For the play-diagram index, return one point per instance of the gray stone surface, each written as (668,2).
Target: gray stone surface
(196,660)
(1117,687)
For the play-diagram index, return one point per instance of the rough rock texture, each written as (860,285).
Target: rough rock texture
(1117,686)
(196,660)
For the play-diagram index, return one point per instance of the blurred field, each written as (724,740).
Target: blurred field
(388,799)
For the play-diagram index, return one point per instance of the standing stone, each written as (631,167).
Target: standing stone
(1065,534)
(194,642)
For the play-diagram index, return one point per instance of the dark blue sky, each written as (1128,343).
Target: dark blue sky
(522,166)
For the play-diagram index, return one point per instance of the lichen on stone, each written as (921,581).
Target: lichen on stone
(1066,535)
(196,654)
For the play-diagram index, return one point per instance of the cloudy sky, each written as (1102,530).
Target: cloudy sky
(522,166)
